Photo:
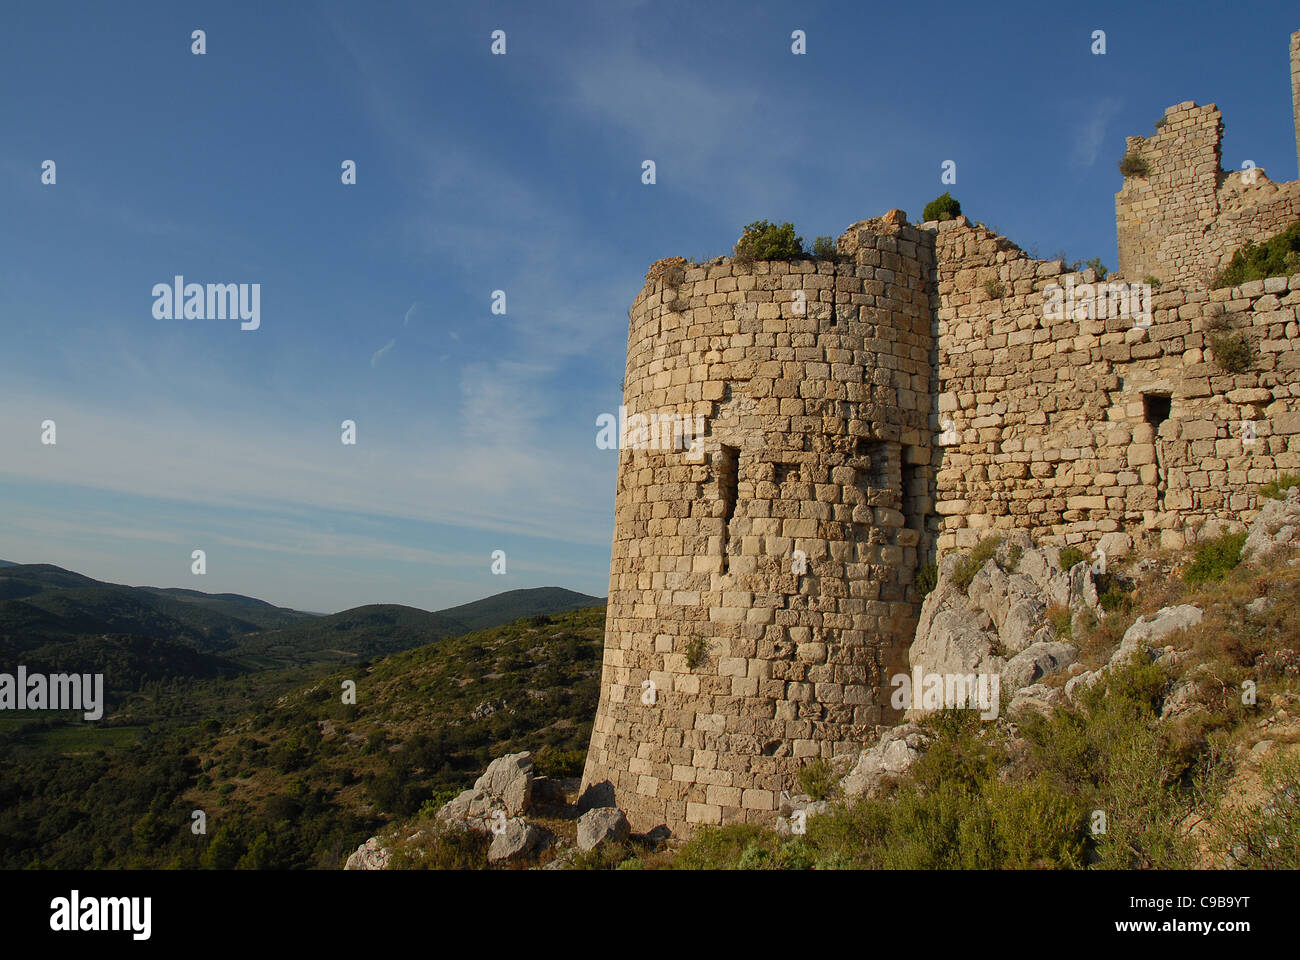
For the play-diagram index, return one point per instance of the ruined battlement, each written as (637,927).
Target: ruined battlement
(865,415)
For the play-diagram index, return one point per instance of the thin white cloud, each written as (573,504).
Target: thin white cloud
(1090,130)
(381,352)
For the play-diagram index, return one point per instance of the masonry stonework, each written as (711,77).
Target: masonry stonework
(815,382)
(864,416)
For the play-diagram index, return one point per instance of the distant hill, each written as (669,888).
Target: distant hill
(6,563)
(513,604)
(369,631)
(41,603)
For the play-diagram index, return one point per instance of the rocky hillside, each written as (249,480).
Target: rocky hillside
(1145,716)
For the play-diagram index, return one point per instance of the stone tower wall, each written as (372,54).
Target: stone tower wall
(1295,93)
(817,438)
(1060,426)
(1183,220)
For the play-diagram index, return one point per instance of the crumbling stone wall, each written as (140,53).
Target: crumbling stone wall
(815,383)
(1182,221)
(1075,427)
(865,416)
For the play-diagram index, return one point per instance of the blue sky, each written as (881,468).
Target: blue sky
(476,432)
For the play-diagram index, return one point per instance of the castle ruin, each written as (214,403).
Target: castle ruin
(868,414)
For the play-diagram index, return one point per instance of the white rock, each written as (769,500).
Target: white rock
(601,825)
(516,841)
(371,855)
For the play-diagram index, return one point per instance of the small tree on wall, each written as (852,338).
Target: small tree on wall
(942,207)
(767,241)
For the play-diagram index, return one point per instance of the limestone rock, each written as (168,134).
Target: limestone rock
(1038,698)
(516,841)
(506,786)
(1165,621)
(899,747)
(602,825)
(371,855)
(509,778)
(1035,662)
(1276,525)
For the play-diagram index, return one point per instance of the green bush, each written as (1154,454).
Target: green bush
(442,848)
(942,207)
(1112,756)
(964,572)
(926,579)
(1278,256)
(558,764)
(817,779)
(1265,834)
(1014,553)
(1153,282)
(1213,560)
(1133,165)
(767,241)
(1276,489)
(995,289)
(1234,352)
(1062,621)
(1098,267)
(1070,556)
(824,247)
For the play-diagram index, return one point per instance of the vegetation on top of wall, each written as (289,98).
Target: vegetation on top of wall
(1278,256)
(768,241)
(942,207)
(1134,165)
(825,248)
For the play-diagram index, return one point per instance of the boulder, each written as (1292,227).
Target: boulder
(516,841)
(1148,632)
(1035,662)
(506,786)
(509,778)
(959,640)
(898,748)
(602,825)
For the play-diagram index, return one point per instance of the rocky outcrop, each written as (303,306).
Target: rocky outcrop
(1276,525)
(506,787)
(371,855)
(998,624)
(898,748)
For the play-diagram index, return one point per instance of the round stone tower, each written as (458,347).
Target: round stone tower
(773,490)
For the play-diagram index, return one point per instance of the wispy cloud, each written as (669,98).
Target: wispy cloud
(1090,130)
(381,352)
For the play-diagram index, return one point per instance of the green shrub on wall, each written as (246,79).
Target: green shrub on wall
(1278,256)
(767,241)
(942,207)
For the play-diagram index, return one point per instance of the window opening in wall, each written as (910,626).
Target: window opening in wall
(726,469)
(1156,408)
